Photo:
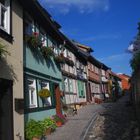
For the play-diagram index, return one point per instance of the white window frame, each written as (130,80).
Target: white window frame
(32,93)
(70,85)
(66,84)
(6,19)
(68,54)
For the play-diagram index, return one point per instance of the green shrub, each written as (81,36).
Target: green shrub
(48,123)
(135,61)
(33,129)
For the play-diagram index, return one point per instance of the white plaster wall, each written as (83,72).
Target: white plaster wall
(14,69)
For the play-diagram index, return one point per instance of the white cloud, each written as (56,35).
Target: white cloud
(115,58)
(118,62)
(83,6)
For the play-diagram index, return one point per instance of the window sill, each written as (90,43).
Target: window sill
(81,96)
(38,109)
(6,36)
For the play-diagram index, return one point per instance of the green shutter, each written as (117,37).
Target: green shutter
(79,88)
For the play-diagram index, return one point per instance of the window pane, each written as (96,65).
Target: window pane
(32,93)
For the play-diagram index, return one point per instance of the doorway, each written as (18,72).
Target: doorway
(58,99)
(6,110)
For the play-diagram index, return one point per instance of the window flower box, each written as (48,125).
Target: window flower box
(47,52)
(69,62)
(59,59)
(33,40)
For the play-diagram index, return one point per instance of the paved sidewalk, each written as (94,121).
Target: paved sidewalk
(77,125)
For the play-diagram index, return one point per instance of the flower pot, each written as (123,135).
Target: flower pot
(48,131)
(58,124)
(35,138)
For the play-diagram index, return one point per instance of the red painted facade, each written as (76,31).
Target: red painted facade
(125,81)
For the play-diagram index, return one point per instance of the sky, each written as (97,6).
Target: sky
(107,26)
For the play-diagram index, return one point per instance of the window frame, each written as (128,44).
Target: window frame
(6,17)
(7,33)
(30,88)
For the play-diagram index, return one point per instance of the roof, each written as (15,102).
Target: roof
(94,61)
(105,67)
(89,49)
(125,75)
(73,47)
(115,75)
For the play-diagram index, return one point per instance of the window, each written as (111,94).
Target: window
(28,25)
(32,93)
(70,85)
(66,84)
(43,37)
(65,53)
(96,70)
(81,89)
(5,15)
(77,64)
(69,54)
(103,72)
(88,65)
(46,85)
(55,48)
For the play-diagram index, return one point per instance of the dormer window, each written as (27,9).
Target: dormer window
(5,15)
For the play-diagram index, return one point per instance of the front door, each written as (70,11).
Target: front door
(58,99)
(6,111)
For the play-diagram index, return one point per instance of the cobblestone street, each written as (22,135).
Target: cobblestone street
(107,121)
(116,122)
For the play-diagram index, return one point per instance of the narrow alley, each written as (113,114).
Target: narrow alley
(105,121)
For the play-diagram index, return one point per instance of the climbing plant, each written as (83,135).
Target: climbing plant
(3,50)
(135,61)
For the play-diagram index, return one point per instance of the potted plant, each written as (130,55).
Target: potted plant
(47,52)
(69,62)
(33,40)
(33,130)
(48,126)
(59,119)
(59,59)
(44,93)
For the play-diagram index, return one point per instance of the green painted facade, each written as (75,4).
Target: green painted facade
(40,115)
(38,69)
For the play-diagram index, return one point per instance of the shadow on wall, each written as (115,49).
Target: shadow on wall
(40,59)
(7,70)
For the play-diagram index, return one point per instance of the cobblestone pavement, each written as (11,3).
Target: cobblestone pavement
(107,121)
(115,122)
(77,125)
